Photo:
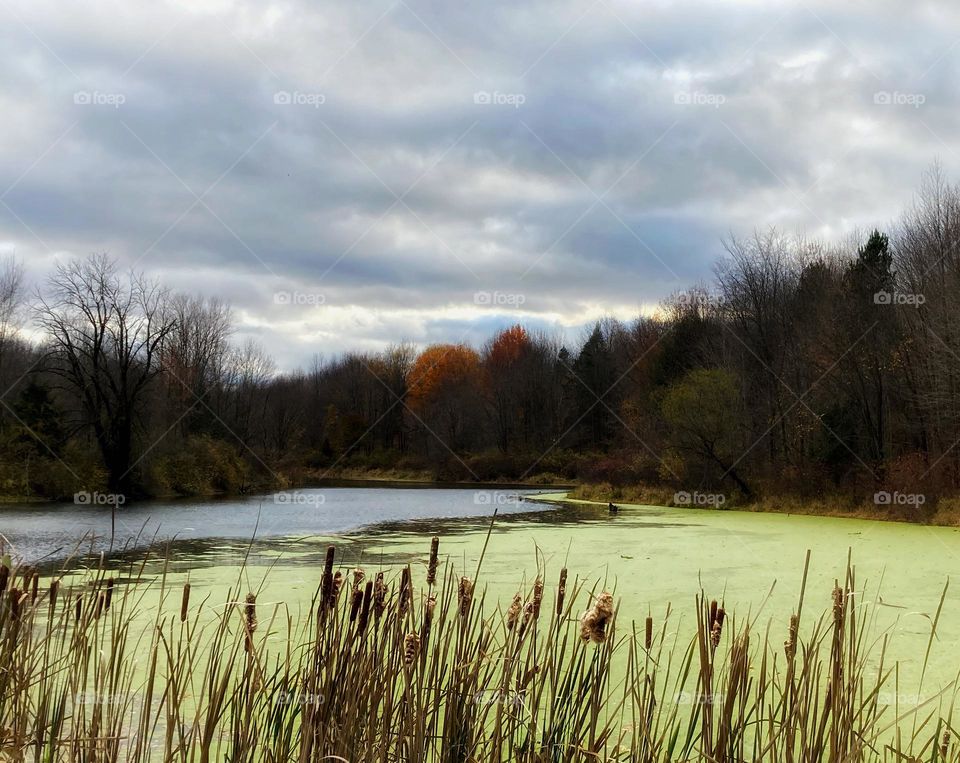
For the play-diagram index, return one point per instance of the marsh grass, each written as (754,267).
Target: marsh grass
(386,666)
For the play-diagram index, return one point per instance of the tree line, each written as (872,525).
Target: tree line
(802,367)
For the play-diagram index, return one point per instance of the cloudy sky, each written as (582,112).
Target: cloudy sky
(352,174)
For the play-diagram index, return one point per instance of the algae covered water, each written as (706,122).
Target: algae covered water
(652,557)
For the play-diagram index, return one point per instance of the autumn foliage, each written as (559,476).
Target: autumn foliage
(440,368)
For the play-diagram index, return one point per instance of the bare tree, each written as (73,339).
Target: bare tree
(105,334)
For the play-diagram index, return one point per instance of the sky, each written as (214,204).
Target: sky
(354,174)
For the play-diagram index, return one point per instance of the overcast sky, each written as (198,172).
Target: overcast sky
(351,174)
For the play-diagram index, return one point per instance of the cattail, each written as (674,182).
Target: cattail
(379,596)
(335,589)
(4,576)
(716,630)
(465,595)
(411,646)
(837,605)
(326,582)
(365,609)
(432,566)
(594,622)
(109,593)
(355,604)
(527,617)
(945,744)
(250,612)
(406,594)
(790,645)
(99,608)
(358,576)
(428,608)
(54,588)
(184,602)
(35,588)
(250,620)
(561,591)
(78,608)
(648,634)
(513,613)
(537,596)
(15,598)
(713,612)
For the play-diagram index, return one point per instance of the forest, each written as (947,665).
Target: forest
(801,368)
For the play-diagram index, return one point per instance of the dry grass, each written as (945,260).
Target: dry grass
(395,668)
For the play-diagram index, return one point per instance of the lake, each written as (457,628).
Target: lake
(651,556)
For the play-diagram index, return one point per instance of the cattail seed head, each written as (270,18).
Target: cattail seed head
(78,608)
(465,595)
(790,645)
(184,602)
(355,603)
(838,601)
(358,576)
(434,556)
(537,596)
(35,588)
(335,589)
(15,598)
(99,608)
(716,630)
(365,609)
(379,596)
(513,613)
(326,581)
(561,591)
(428,608)
(4,576)
(648,634)
(411,647)
(945,744)
(594,622)
(406,594)
(109,594)
(250,612)
(527,617)
(54,589)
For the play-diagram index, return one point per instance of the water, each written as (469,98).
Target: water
(651,557)
(44,534)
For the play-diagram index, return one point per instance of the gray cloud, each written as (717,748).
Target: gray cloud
(300,126)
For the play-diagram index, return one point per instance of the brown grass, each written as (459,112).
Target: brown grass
(441,673)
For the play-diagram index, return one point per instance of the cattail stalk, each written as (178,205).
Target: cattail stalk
(184,602)
(434,556)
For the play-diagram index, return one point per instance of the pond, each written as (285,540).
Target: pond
(652,557)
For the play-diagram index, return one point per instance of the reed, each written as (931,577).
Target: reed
(441,672)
